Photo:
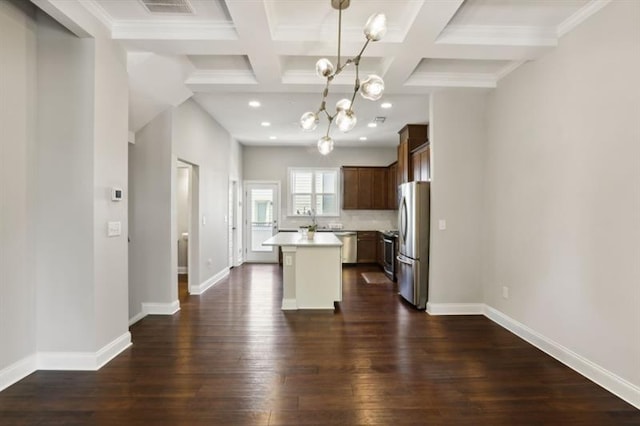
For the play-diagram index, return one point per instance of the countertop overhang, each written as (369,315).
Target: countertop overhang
(320,239)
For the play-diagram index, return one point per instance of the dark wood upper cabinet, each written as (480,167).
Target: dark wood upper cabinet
(412,136)
(421,161)
(365,188)
(349,188)
(392,186)
(380,188)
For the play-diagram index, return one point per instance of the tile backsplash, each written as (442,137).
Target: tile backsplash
(353,220)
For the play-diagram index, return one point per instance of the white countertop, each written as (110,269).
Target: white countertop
(326,239)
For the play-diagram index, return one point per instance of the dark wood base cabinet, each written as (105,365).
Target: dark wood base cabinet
(367,246)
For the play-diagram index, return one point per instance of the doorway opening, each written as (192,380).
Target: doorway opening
(233,222)
(183,229)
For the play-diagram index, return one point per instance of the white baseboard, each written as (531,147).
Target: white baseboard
(111,350)
(17,371)
(161,308)
(136,318)
(89,361)
(289,305)
(199,289)
(605,378)
(455,308)
(183,270)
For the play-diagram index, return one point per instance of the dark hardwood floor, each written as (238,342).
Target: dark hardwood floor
(232,357)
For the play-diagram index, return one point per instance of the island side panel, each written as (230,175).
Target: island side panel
(289,278)
(318,277)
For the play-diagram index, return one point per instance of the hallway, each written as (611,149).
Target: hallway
(232,357)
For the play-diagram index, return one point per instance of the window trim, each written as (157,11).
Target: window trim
(313,170)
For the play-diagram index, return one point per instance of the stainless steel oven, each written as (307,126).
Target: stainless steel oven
(389,239)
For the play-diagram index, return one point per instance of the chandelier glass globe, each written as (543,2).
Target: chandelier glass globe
(376,27)
(309,121)
(324,68)
(372,88)
(346,120)
(343,104)
(325,145)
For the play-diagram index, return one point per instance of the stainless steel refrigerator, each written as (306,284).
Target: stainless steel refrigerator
(413,242)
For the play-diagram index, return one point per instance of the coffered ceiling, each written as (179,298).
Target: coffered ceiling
(226,53)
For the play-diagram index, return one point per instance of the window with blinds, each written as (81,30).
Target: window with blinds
(313,190)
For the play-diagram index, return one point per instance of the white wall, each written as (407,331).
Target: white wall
(190,134)
(63,289)
(272,163)
(562,193)
(458,137)
(64,190)
(198,139)
(17,121)
(111,134)
(150,166)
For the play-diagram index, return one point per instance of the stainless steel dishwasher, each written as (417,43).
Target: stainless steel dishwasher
(349,246)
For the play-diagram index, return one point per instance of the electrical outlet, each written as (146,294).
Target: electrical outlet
(505,292)
(287,260)
(442,224)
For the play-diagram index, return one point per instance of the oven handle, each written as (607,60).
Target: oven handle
(388,240)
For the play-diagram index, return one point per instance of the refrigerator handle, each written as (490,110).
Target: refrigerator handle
(403,219)
(404,260)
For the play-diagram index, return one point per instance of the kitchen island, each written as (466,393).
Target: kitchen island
(312,270)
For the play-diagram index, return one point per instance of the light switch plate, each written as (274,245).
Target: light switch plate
(114,229)
(442,224)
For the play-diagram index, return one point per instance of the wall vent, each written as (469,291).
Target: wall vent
(182,7)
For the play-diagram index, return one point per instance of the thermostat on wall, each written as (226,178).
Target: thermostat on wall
(116,194)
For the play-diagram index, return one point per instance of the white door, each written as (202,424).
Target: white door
(261,219)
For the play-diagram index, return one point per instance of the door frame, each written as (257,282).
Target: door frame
(246,231)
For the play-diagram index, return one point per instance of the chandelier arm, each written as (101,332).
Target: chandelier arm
(357,86)
(339,36)
(359,55)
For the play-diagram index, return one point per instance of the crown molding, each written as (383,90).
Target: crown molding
(222,77)
(452,79)
(508,69)
(580,16)
(498,35)
(173,30)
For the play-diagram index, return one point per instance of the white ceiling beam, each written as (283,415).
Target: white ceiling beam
(250,19)
(431,19)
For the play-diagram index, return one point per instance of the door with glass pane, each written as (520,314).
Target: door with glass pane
(262,213)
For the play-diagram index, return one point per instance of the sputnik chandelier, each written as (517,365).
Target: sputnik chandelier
(371,88)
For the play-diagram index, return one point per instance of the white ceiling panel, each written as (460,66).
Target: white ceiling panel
(230,51)
(127,10)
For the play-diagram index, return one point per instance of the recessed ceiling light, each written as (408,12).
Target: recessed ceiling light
(254,104)
(372,125)
(386,105)
(273,138)
(265,124)
(363,138)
